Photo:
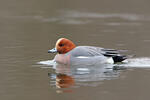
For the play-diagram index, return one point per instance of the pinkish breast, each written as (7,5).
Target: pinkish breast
(62,58)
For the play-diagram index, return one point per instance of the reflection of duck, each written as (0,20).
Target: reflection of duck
(64,81)
(66,76)
(63,77)
(68,53)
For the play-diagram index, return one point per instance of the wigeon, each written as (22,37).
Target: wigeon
(69,53)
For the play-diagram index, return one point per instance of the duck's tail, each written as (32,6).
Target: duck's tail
(120,58)
(117,55)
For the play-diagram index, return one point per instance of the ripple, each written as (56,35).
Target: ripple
(124,23)
(47,62)
(82,17)
(77,14)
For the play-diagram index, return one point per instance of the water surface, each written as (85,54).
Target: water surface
(29,28)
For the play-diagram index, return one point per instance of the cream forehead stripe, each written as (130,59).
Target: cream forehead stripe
(58,41)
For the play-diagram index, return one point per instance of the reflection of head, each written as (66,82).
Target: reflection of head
(64,81)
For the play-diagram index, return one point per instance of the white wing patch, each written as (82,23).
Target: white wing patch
(110,60)
(82,57)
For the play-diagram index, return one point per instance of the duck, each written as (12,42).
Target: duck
(70,54)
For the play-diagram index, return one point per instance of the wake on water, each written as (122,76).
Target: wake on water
(143,62)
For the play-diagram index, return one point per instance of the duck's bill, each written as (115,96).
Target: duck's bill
(54,50)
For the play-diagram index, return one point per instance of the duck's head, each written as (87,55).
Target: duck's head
(62,46)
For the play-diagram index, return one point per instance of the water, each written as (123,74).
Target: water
(29,28)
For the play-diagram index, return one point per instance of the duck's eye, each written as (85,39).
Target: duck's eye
(61,45)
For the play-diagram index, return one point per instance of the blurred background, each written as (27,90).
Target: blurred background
(28,28)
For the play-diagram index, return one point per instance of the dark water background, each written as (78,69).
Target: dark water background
(28,28)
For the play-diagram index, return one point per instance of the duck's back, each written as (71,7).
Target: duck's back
(86,51)
(91,51)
